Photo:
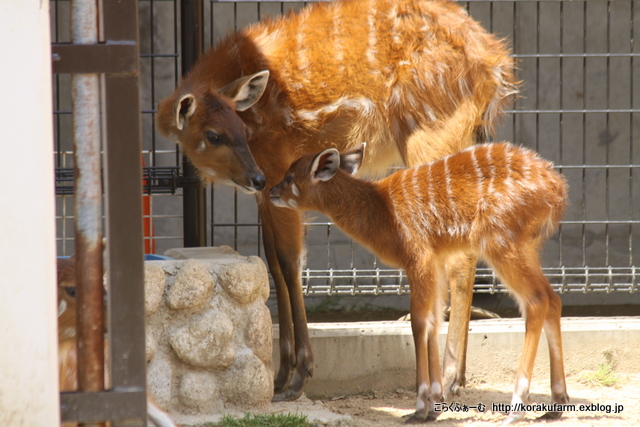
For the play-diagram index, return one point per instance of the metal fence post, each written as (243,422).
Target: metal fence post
(88,205)
(194,198)
(114,61)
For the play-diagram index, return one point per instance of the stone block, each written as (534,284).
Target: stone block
(154,284)
(248,382)
(258,321)
(159,377)
(192,286)
(209,333)
(244,282)
(205,343)
(199,391)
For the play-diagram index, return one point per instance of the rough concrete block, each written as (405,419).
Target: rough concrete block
(248,382)
(199,391)
(159,378)
(205,342)
(154,284)
(254,335)
(209,333)
(192,286)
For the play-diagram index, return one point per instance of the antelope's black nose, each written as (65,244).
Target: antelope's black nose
(259,182)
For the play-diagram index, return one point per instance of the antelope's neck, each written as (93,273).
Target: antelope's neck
(359,208)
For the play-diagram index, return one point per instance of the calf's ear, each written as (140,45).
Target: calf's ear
(325,165)
(351,160)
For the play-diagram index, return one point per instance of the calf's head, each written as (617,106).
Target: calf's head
(66,298)
(301,184)
(204,121)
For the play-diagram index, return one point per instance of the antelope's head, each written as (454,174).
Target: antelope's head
(204,121)
(66,298)
(299,188)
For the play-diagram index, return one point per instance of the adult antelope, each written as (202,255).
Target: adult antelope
(495,201)
(416,79)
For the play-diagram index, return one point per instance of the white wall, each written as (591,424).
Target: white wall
(28,316)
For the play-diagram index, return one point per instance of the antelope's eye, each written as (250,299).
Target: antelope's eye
(213,137)
(71,291)
(288,179)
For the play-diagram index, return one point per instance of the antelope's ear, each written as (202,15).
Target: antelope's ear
(325,165)
(184,109)
(247,90)
(351,160)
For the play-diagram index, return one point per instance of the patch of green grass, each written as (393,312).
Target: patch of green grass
(264,420)
(604,375)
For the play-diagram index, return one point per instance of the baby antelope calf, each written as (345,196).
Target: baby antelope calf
(68,347)
(495,201)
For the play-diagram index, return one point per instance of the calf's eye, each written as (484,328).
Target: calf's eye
(213,137)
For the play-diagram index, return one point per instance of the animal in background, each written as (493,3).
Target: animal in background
(67,345)
(66,298)
(495,201)
(417,79)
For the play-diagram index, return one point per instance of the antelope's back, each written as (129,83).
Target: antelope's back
(415,79)
(490,192)
(383,50)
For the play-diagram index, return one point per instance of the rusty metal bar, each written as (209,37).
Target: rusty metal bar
(101,405)
(125,272)
(120,130)
(88,205)
(194,196)
(98,58)
(123,189)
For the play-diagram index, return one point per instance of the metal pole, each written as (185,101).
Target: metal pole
(88,205)
(194,199)
(123,185)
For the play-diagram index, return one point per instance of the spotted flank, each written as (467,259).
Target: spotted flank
(477,193)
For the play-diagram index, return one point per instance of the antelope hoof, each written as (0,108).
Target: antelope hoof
(296,386)
(453,379)
(452,387)
(282,380)
(287,395)
(421,418)
(559,399)
(415,420)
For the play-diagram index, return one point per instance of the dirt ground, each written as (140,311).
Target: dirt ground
(392,409)
(602,405)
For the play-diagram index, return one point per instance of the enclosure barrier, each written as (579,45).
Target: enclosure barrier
(110,61)
(579,107)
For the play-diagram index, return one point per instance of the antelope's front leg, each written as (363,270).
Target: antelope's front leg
(461,276)
(285,319)
(283,232)
(424,325)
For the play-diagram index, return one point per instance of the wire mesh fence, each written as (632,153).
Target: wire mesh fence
(579,107)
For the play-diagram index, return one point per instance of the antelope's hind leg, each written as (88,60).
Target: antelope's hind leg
(554,340)
(540,307)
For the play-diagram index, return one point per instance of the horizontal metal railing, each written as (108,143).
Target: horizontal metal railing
(384,281)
